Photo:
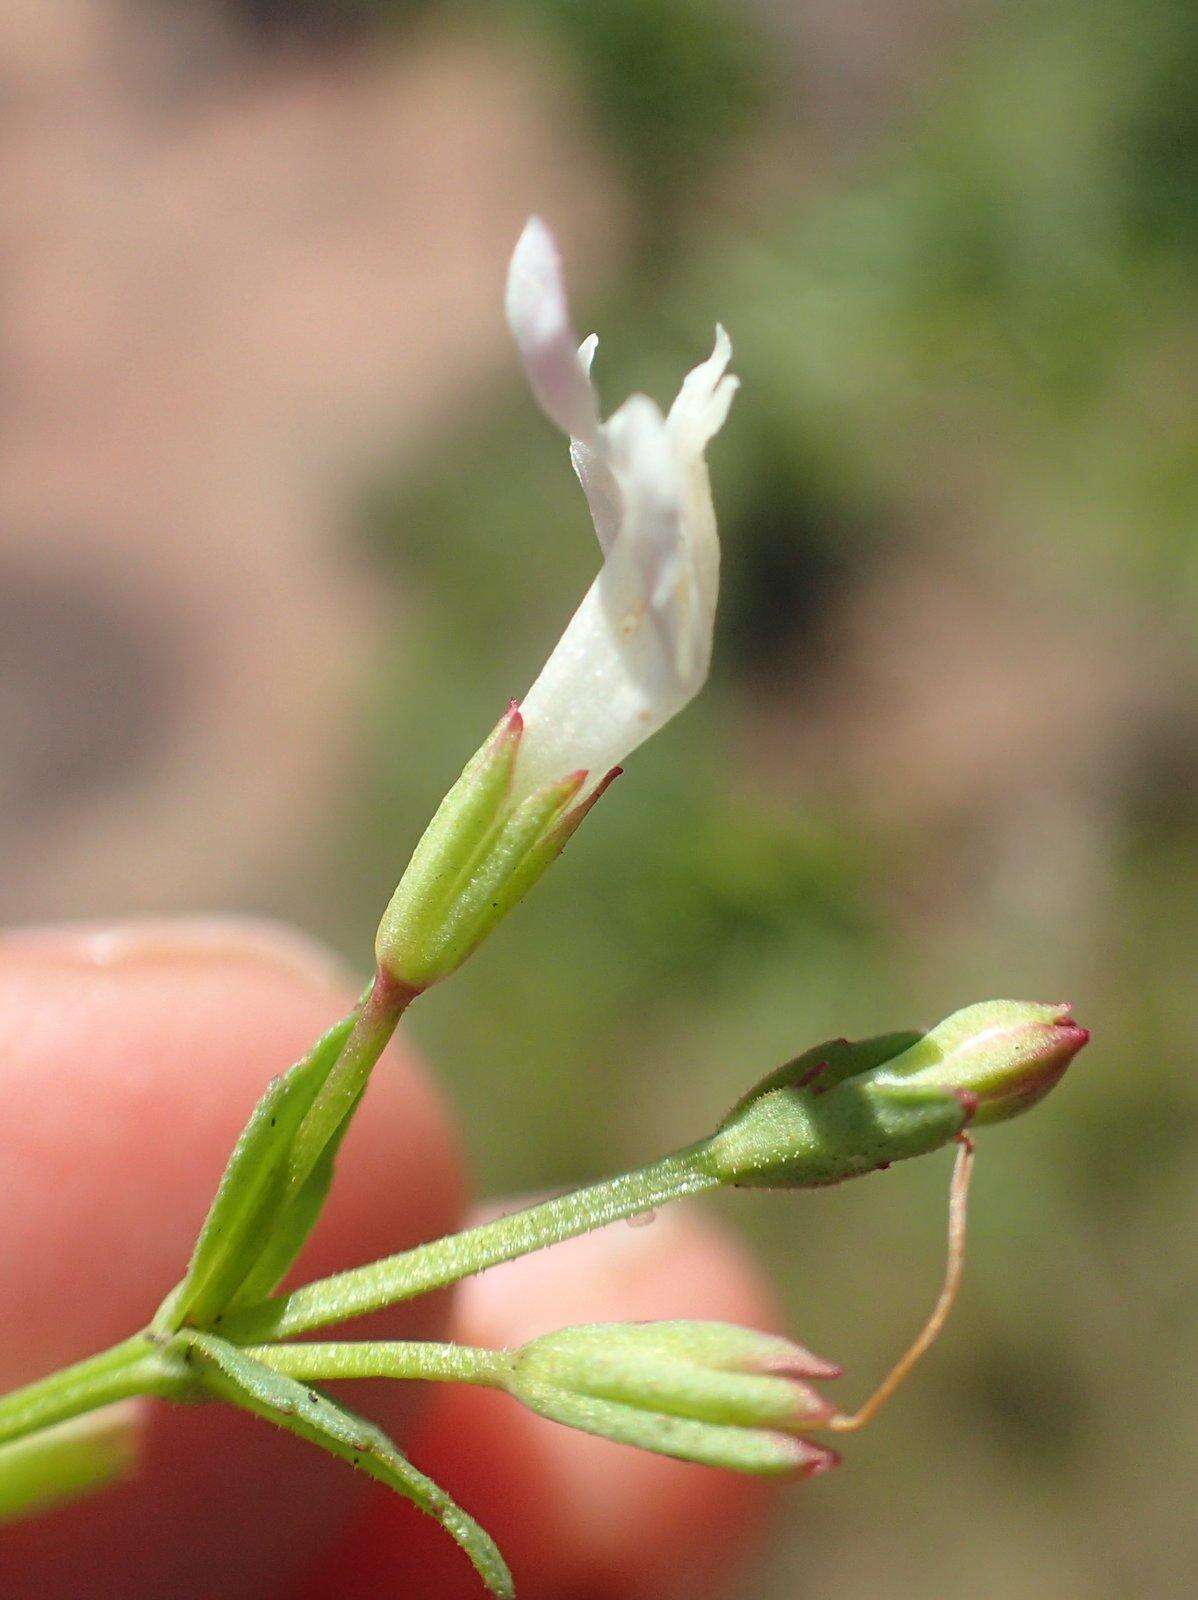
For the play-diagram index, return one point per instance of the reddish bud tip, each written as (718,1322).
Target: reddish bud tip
(604,784)
(795,1361)
(813,1459)
(810,1074)
(1004,1055)
(803,1365)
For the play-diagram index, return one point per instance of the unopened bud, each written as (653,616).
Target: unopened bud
(846,1108)
(701,1391)
(1002,1054)
(479,855)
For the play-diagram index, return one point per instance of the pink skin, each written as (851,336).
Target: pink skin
(131,1056)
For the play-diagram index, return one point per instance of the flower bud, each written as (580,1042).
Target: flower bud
(846,1108)
(818,1120)
(479,855)
(701,1391)
(1004,1055)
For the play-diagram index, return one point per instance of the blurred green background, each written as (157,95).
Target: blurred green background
(950,745)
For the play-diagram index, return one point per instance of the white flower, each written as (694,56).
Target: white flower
(638,647)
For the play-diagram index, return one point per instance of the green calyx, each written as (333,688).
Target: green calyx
(849,1107)
(700,1391)
(477,858)
(822,1120)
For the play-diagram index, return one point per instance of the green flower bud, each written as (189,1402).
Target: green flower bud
(846,1108)
(1003,1054)
(479,855)
(701,1391)
(819,1120)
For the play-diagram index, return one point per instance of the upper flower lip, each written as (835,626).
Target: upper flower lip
(539,316)
(639,646)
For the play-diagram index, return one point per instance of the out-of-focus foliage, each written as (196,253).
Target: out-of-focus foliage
(673,83)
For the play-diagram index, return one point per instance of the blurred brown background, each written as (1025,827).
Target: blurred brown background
(271,494)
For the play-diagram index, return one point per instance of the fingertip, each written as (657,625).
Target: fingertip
(133,1054)
(173,943)
(131,1057)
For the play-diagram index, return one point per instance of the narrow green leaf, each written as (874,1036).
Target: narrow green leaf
(253,1185)
(291,1227)
(447,1260)
(228,1372)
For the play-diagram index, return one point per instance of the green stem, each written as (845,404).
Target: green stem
(384,1358)
(459,1255)
(136,1366)
(381,1010)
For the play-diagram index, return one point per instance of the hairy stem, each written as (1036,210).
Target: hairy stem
(441,1363)
(136,1366)
(445,1261)
(381,1010)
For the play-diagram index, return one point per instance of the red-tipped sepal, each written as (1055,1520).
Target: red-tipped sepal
(702,1391)
(481,853)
